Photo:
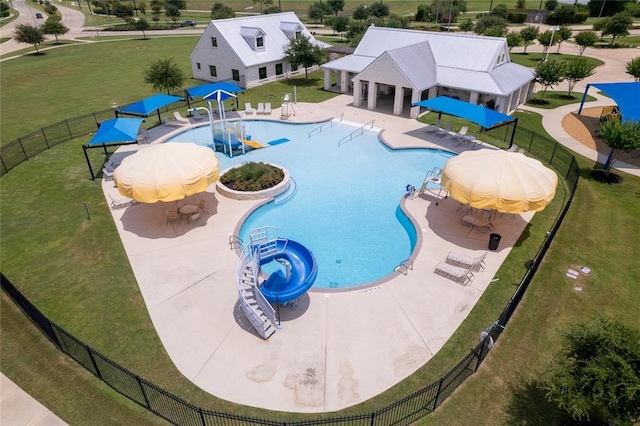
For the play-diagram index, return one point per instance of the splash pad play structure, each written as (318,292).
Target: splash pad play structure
(256,295)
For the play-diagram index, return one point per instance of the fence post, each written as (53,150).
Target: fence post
(484,343)
(435,400)
(46,141)
(144,394)
(373,418)
(68,128)
(93,361)
(204,423)
(553,153)
(26,157)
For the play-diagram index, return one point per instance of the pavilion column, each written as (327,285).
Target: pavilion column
(415,110)
(327,79)
(344,81)
(357,93)
(398,100)
(473,98)
(372,98)
(433,92)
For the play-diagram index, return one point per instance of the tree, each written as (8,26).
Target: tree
(25,33)
(607,8)
(141,24)
(564,33)
(548,74)
(488,21)
(301,51)
(156,9)
(172,12)
(124,11)
(379,9)
(53,26)
(5,9)
(617,26)
(466,26)
(180,4)
(361,12)
(633,68)
(142,7)
(501,10)
(577,69)
(521,5)
(550,5)
(619,136)
(585,39)
(440,12)
(565,14)
(317,12)
(336,6)
(547,39)
(528,34)
(340,24)
(513,39)
(423,13)
(220,11)
(164,75)
(597,373)
(271,10)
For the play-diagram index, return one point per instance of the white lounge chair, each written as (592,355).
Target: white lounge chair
(462,276)
(476,264)
(267,108)
(120,203)
(197,116)
(180,119)
(458,138)
(445,130)
(260,109)
(432,127)
(248,109)
(168,122)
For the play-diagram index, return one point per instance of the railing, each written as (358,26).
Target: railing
(361,129)
(330,123)
(404,266)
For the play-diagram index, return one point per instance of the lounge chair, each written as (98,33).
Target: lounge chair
(462,276)
(197,116)
(260,109)
(458,138)
(483,225)
(267,108)
(120,203)
(168,122)
(445,130)
(248,109)
(180,119)
(107,174)
(432,127)
(476,264)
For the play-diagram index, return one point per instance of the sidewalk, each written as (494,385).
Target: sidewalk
(17,408)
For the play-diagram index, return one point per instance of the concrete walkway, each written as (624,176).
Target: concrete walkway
(18,408)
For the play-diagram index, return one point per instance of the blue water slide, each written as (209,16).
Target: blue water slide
(304,268)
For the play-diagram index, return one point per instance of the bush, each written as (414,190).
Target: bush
(252,177)
(516,17)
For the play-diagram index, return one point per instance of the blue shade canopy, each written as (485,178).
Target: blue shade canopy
(150,104)
(480,115)
(626,95)
(117,130)
(205,89)
(219,95)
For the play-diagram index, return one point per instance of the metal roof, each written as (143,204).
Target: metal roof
(416,62)
(509,77)
(351,63)
(275,39)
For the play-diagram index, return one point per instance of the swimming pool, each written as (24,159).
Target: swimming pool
(346,207)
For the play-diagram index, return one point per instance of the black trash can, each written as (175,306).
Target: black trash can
(494,241)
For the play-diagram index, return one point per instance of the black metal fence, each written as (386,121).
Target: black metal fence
(402,412)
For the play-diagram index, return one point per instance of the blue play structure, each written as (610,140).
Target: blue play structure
(300,265)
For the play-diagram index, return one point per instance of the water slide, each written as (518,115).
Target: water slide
(303,270)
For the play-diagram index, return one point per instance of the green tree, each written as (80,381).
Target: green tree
(521,5)
(172,12)
(550,5)
(317,11)
(564,33)
(156,9)
(585,39)
(53,26)
(123,11)
(633,68)
(548,74)
(466,26)
(220,11)
(301,52)
(564,14)
(141,24)
(423,13)
(336,6)
(439,11)
(577,69)
(164,75)
(597,372)
(180,4)
(513,39)
(617,26)
(340,24)
(25,33)
(620,136)
(357,28)
(271,10)
(607,7)
(361,12)
(528,34)
(5,9)
(489,21)
(547,39)
(395,21)
(379,9)
(142,7)
(500,10)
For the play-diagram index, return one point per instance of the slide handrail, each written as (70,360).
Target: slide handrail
(361,129)
(330,123)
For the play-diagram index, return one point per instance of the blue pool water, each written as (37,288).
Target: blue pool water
(346,207)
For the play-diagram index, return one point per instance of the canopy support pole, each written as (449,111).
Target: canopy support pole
(86,156)
(584,97)
(513,132)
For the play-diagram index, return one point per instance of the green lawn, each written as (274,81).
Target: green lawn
(530,59)
(555,98)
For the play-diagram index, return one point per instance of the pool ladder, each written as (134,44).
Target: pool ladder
(404,267)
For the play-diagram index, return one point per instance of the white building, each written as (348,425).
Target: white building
(248,50)
(400,67)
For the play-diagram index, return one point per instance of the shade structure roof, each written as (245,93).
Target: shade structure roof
(219,95)
(117,130)
(148,105)
(205,89)
(478,114)
(167,172)
(625,94)
(507,182)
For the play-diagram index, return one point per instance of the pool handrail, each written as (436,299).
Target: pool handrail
(361,129)
(329,122)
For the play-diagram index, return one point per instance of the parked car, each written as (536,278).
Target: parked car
(188,24)
(39,15)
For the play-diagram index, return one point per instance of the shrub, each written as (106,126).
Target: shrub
(517,17)
(252,177)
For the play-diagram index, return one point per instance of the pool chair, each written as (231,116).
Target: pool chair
(120,203)
(432,127)
(197,116)
(180,119)
(458,138)
(445,130)
(248,109)
(260,109)
(168,122)
(462,276)
(267,108)
(513,148)
(476,264)
(202,206)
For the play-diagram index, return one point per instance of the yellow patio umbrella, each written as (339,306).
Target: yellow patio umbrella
(507,182)
(167,172)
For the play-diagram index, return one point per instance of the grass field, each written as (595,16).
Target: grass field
(57,258)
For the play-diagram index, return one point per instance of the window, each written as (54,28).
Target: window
(212,71)
(235,75)
(262,72)
(214,42)
(298,34)
(198,65)
(278,69)
(260,41)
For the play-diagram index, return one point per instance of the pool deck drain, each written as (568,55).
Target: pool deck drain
(186,274)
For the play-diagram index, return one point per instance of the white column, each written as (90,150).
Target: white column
(327,79)
(473,98)
(398,100)
(344,81)
(415,97)
(433,92)
(357,93)
(372,96)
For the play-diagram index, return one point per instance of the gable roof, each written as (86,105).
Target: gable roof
(274,27)
(416,63)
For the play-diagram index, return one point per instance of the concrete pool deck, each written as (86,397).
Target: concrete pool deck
(335,349)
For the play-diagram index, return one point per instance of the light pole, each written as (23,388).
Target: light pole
(553,33)
(210,122)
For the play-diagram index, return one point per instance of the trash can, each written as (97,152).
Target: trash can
(494,241)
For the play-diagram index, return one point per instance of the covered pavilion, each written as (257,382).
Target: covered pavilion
(148,105)
(625,94)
